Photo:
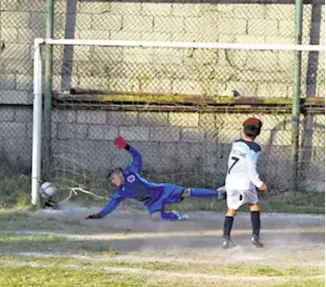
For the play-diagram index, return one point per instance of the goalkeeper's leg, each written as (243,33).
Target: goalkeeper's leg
(157,210)
(172,194)
(204,192)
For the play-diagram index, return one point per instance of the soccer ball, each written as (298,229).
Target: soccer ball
(47,189)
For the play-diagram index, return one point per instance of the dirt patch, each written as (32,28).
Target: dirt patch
(130,237)
(288,238)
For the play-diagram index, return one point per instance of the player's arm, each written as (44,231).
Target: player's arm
(112,205)
(251,160)
(136,163)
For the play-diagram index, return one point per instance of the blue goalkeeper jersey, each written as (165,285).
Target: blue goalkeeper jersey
(134,186)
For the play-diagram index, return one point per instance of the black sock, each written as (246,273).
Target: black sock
(255,221)
(228,222)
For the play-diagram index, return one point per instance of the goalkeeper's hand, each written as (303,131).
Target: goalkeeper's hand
(93,216)
(120,142)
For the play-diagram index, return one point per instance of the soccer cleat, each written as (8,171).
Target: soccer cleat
(256,241)
(226,243)
(180,217)
(51,205)
(184,217)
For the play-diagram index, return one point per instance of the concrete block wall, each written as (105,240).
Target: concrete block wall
(186,147)
(208,72)
(192,145)
(205,72)
(178,141)
(20,22)
(15,136)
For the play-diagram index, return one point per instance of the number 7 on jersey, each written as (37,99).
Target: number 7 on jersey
(235,160)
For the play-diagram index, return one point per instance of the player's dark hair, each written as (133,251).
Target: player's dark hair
(114,171)
(252,127)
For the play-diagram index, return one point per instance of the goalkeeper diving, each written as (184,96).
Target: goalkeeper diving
(155,196)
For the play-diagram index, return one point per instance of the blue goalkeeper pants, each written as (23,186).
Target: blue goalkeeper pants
(173,194)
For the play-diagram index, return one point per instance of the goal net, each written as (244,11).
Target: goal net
(180,104)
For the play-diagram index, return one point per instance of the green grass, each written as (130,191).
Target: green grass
(213,269)
(8,237)
(51,271)
(59,277)
(14,190)
(303,283)
(223,269)
(295,202)
(44,277)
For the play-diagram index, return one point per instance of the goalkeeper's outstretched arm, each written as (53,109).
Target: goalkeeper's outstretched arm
(136,163)
(111,206)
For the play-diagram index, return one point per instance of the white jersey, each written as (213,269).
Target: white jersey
(242,173)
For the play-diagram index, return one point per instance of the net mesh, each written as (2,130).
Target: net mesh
(182,108)
(194,71)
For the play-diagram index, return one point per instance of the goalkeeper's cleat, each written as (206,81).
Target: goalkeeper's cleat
(255,240)
(50,204)
(180,216)
(221,193)
(184,217)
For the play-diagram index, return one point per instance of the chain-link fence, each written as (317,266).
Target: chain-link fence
(203,21)
(188,147)
(162,99)
(193,71)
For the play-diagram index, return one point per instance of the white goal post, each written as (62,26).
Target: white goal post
(37,78)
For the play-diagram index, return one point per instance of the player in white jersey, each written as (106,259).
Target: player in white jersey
(242,180)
